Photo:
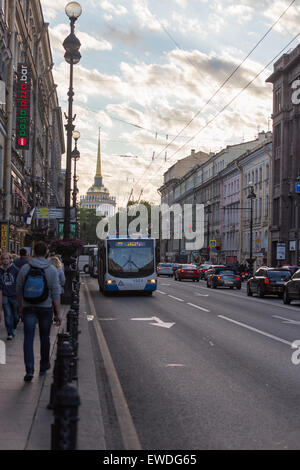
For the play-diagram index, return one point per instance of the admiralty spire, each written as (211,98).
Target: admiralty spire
(98,197)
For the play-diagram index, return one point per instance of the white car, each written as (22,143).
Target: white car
(165,269)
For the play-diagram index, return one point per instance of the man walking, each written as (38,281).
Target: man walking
(37,289)
(8,276)
(19,262)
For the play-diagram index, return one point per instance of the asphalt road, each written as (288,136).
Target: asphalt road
(202,368)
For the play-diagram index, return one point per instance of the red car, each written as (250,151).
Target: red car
(187,271)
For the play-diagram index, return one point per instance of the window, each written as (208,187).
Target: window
(277,101)
(267,206)
(276,211)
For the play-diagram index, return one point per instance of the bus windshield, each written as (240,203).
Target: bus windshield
(130,258)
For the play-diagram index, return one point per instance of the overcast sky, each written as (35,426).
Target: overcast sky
(155,64)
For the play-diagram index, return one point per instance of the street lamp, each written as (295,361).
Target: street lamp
(208,211)
(75,156)
(72,56)
(251,196)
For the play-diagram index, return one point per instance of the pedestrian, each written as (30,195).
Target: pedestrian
(37,288)
(23,259)
(8,276)
(61,275)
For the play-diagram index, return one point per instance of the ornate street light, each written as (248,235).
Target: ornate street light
(251,196)
(208,211)
(72,56)
(75,157)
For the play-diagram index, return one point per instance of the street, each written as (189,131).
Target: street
(200,368)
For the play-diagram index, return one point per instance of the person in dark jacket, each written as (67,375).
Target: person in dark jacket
(19,262)
(8,276)
(41,312)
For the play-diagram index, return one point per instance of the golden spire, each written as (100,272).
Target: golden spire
(98,170)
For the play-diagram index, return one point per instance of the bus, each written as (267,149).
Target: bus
(126,264)
(83,260)
(93,262)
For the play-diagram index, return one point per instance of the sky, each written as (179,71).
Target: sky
(150,75)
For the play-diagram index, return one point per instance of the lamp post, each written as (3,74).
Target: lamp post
(208,211)
(251,196)
(72,57)
(75,157)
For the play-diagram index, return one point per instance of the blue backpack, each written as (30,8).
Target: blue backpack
(35,287)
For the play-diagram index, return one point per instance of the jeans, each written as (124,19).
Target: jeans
(44,316)
(11,316)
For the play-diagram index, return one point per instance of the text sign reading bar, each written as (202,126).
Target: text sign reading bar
(23,106)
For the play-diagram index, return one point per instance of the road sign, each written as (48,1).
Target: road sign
(212,243)
(280,251)
(297,187)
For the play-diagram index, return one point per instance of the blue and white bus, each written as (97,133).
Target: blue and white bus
(126,264)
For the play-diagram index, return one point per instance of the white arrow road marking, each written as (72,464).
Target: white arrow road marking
(157,320)
(200,308)
(257,331)
(287,320)
(175,298)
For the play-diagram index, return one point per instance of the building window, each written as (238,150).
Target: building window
(277,101)
(276,211)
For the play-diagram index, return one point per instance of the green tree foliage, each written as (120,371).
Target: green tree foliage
(88,224)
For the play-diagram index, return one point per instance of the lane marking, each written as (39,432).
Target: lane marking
(160,292)
(287,320)
(201,295)
(158,321)
(175,298)
(200,308)
(175,365)
(276,338)
(127,428)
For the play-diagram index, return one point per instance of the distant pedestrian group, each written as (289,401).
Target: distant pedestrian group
(30,291)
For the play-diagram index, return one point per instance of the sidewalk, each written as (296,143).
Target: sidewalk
(25,421)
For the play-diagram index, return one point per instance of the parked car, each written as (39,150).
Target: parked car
(211,270)
(224,277)
(291,290)
(165,269)
(203,268)
(268,281)
(187,271)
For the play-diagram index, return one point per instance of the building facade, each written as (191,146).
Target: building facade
(27,163)
(285,233)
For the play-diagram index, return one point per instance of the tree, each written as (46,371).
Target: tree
(88,224)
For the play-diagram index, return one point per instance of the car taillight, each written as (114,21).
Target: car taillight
(219,277)
(182,270)
(243,273)
(238,278)
(198,272)
(267,281)
(159,268)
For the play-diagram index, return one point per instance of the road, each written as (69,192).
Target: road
(199,368)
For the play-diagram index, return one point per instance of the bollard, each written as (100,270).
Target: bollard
(62,371)
(72,327)
(64,428)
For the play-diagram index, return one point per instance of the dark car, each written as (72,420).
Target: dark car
(212,269)
(224,277)
(268,281)
(203,268)
(291,289)
(187,271)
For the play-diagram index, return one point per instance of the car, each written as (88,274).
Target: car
(211,270)
(165,269)
(224,277)
(268,281)
(203,268)
(291,290)
(187,271)
(175,267)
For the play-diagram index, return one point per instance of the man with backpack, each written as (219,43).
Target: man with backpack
(38,289)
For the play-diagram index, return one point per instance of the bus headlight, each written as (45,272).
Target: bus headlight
(151,281)
(110,282)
